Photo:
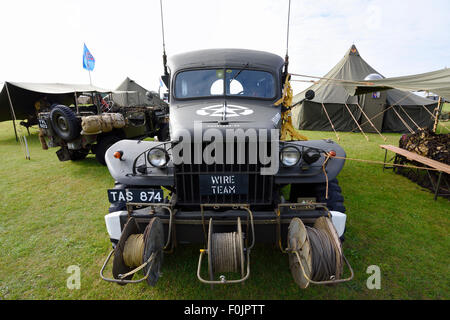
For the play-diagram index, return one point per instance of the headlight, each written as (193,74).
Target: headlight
(158,157)
(290,156)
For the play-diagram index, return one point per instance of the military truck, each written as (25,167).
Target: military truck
(98,123)
(228,178)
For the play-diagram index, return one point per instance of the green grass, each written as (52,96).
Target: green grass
(52,216)
(446,107)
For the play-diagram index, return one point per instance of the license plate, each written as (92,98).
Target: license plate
(223,184)
(135,195)
(43,124)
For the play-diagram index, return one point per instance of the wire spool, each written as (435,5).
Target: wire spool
(135,248)
(319,250)
(298,241)
(226,251)
(119,266)
(153,243)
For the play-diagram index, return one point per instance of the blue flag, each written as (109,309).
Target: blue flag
(88,59)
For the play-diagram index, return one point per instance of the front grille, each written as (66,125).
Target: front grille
(187,176)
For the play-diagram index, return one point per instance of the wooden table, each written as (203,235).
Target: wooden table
(442,168)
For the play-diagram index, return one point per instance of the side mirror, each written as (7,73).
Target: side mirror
(310,94)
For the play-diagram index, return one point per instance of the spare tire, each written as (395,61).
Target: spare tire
(65,123)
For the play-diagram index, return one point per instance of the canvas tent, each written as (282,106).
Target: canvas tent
(130,94)
(18,98)
(333,108)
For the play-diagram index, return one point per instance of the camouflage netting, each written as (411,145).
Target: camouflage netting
(428,144)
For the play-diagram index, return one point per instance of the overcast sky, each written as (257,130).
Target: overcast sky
(42,40)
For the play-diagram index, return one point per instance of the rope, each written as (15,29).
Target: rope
(133,250)
(323,255)
(391,106)
(404,122)
(371,123)
(326,175)
(386,163)
(331,123)
(354,119)
(420,129)
(331,79)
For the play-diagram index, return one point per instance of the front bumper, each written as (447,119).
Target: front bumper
(191,226)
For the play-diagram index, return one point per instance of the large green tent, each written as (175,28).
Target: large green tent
(333,108)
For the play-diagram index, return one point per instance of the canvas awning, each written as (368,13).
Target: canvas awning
(437,82)
(24,95)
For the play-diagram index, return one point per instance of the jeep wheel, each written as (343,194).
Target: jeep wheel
(103,144)
(76,155)
(65,123)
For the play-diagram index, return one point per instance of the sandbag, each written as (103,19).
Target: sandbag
(91,125)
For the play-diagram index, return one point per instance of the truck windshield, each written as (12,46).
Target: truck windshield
(238,83)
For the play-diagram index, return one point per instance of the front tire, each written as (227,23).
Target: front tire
(335,201)
(103,145)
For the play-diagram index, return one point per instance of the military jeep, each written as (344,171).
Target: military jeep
(225,179)
(94,126)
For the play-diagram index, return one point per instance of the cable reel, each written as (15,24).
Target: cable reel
(225,255)
(137,250)
(315,253)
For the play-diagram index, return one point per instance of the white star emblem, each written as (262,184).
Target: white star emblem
(231,111)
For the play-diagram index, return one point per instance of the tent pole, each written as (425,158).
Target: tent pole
(438,113)
(76,103)
(420,129)
(371,123)
(348,109)
(404,123)
(429,112)
(384,111)
(13,115)
(331,123)
(19,139)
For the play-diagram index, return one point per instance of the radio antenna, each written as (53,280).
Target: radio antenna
(286,59)
(164,42)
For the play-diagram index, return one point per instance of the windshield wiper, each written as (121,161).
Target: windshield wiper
(239,72)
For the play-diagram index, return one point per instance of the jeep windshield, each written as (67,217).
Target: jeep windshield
(238,83)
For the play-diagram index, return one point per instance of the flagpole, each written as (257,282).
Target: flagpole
(90,80)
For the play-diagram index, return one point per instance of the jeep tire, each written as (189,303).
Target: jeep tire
(65,123)
(103,144)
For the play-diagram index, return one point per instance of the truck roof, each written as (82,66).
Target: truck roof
(226,58)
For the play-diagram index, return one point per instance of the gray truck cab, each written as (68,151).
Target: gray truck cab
(225,168)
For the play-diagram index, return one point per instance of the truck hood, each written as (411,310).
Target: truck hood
(222,115)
